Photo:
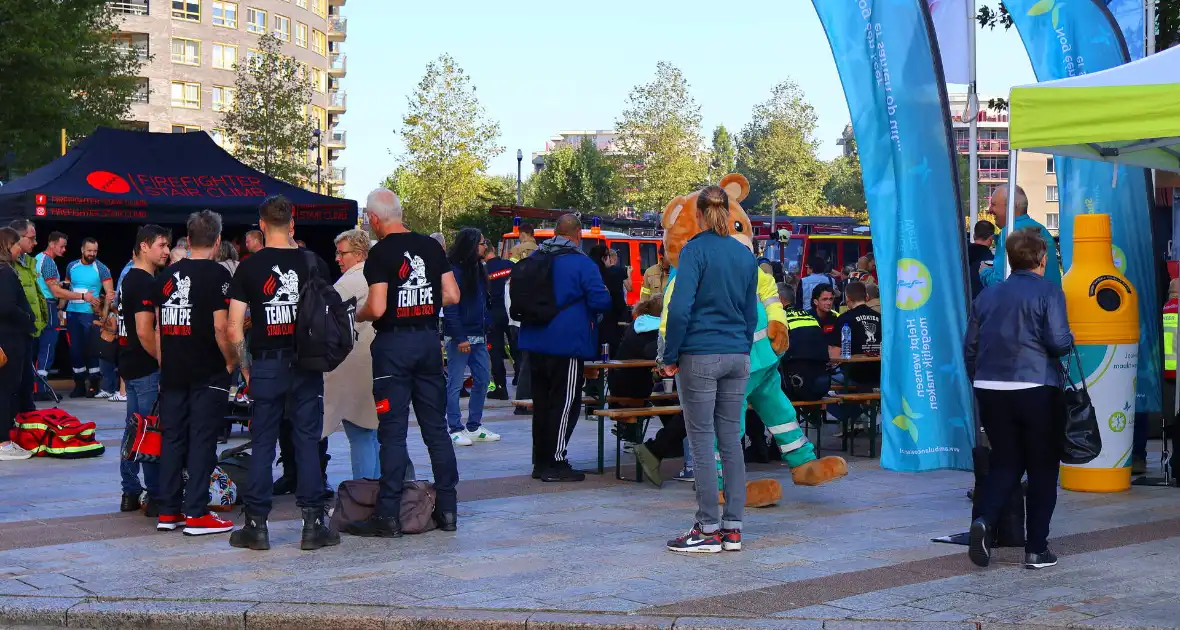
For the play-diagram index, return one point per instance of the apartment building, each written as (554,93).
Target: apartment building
(194,44)
(1034,173)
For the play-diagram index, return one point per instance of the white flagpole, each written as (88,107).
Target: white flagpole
(973,126)
(1149,27)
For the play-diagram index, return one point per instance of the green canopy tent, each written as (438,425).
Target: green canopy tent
(1129,114)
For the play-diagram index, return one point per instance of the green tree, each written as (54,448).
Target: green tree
(268,124)
(60,68)
(845,186)
(580,178)
(723,159)
(449,141)
(498,190)
(660,129)
(779,154)
(1167,21)
(965,185)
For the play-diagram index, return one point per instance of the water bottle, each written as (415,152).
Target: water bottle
(846,342)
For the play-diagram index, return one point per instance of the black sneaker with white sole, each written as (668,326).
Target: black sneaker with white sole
(977,545)
(696,541)
(1040,560)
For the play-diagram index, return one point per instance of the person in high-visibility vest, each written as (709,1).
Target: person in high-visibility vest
(1171,308)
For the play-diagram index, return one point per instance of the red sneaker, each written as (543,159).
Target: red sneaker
(731,539)
(169,522)
(210,523)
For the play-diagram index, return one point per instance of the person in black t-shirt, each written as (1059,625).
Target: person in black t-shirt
(138,355)
(269,283)
(410,281)
(979,252)
(196,359)
(865,325)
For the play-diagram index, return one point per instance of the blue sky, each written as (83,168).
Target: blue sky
(541,66)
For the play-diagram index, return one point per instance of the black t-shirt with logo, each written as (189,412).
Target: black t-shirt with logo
(187,294)
(412,265)
(270,282)
(136,296)
(865,324)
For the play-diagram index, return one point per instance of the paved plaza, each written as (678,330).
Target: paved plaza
(852,554)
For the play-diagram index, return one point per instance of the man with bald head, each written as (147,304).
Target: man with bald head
(558,345)
(992,273)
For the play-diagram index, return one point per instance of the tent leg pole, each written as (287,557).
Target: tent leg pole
(1013,158)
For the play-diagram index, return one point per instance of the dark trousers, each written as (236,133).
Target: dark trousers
(287,450)
(503,340)
(190,420)
(9,381)
(1024,428)
(557,398)
(669,440)
(273,378)
(407,368)
(28,375)
(524,377)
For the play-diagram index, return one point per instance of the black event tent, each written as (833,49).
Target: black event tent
(141,177)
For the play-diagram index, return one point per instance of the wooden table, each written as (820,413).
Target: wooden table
(857,358)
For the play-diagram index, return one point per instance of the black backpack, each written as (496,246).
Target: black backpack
(534,302)
(324,325)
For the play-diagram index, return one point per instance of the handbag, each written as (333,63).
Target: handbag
(147,443)
(1081,441)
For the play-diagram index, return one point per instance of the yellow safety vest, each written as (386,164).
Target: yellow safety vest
(1170,321)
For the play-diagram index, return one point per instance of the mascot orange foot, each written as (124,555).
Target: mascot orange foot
(819,471)
(760,493)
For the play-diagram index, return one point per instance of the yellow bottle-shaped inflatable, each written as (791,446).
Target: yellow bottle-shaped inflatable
(1103,310)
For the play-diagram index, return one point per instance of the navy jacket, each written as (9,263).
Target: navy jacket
(574,331)
(468,318)
(1018,332)
(498,272)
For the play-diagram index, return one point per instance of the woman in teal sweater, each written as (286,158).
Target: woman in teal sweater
(711,317)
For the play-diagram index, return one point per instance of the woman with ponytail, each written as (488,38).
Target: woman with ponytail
(465,328)
(711,317)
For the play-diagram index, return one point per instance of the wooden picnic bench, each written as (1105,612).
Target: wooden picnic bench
(633,415)
(872,400)
(813,413)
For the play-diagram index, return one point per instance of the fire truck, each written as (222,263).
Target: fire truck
(793,241)
(636,242)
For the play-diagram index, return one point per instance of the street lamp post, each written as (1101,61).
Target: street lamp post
(519,162)
(319,162)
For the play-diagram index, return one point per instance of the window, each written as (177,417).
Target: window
(319,42)
(1050,193)
(189,10)
(223,98)
(253,56)
(187,95)
(225,14)
(623,249)
(218,136)
(648,255)
(1050,166)
(301,34)
(319,80)
(255,21)
(319,116)
(224,56)
(185,129)
(282,27)
(320,7)
(1052,221)
(302,4)
(186,51)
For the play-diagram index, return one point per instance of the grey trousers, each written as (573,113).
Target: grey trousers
(712,395)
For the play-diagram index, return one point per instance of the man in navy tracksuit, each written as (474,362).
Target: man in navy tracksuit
(558,350)
(498,272)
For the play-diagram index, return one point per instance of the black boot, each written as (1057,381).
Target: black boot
(284,485)
(79,386)
(376,527)
(95,380)
(129,503)
(500,393)
(315,530)
(446,521)
(253,535)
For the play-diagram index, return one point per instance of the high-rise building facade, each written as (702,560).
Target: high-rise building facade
(188,83)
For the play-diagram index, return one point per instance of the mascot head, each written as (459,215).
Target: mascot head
(682,219)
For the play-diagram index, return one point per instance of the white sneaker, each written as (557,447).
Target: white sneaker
(117,397)
(482,434)
(12,452)
(102,393)
(460,439)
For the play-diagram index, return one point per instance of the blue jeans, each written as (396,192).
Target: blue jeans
(1139,437)
(364,450)
(457,362)
(110,377)
(712,395)
(141,398)
(46,345)
(82,331)
(407,367)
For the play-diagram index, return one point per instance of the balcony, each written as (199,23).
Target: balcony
(984,146)
(141,92)
(993,173)
(337,102)
(139,49)
(336,3)
(337,64)
(337,28)
(337,140)
(335,175)
(130,8)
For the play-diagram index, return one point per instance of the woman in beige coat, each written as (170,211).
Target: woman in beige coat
(348,390)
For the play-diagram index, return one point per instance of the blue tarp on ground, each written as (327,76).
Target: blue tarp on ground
(119,175)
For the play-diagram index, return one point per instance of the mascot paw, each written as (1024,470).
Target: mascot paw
(819,471)
(763,493)
(777,333)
